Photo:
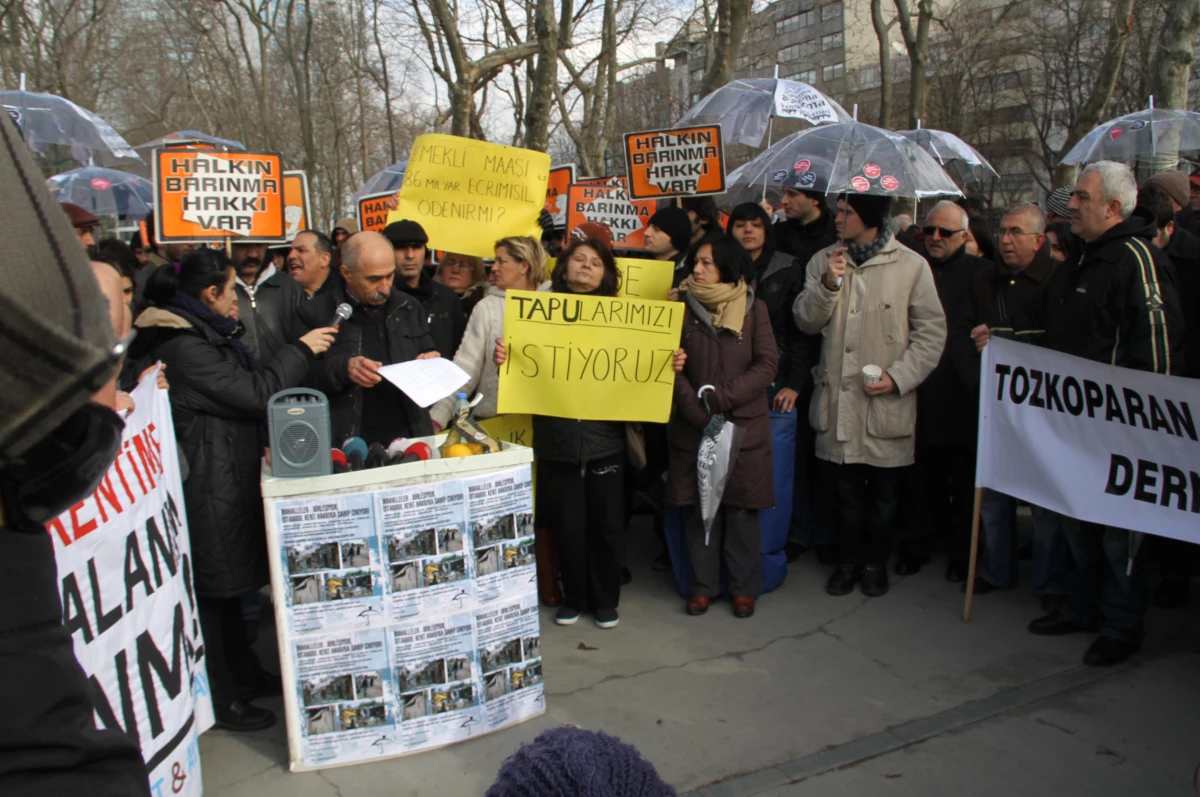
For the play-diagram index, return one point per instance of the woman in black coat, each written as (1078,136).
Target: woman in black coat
(219,396)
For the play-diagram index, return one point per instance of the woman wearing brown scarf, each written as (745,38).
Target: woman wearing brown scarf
(731,358)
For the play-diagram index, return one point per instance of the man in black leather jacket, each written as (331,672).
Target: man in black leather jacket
(267,299)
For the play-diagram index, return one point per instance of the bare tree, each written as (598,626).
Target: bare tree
(885,62)
(917,41)
(726,42)
(1175,54)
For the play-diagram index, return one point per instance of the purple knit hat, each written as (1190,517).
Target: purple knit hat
(573,762)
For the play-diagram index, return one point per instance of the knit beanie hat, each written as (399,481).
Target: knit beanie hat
(1174,183)
(347,223)
(1056,203)
(676,223)
(871,209)
(573,762)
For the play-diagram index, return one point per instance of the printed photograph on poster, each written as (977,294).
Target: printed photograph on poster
(434,669)
(429,569)
(510,661)
(500,508)
(331,557)
(344,689)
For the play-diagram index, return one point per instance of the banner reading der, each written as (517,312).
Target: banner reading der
(124,562)
(1091,441)
(205,196)
(560,180)
(589,357)
(468,194)
(685,161)
(296,206)
(373,211)
(610,205)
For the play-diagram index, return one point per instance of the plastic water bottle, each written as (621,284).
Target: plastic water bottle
(462,405)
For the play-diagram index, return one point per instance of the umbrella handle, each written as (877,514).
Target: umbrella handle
(702,395)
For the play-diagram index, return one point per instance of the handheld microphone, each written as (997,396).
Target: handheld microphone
(356,445)
(421,450)
(339,461)
(377,457)
(396,449)
(343,312)
(354,460)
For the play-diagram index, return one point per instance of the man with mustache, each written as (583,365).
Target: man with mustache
(267,299)
(308,262)
(387,327)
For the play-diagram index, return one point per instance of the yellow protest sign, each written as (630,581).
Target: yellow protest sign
(516,429)
(467,194)
(641,279)
(589,357)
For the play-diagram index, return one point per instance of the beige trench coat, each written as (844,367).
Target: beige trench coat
(886,313)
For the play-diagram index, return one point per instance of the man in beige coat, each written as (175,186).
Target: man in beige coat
(874,302)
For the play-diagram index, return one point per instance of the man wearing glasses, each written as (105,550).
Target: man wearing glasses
(1006,300)
(938,496)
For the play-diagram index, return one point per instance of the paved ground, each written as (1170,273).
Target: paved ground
(818,695)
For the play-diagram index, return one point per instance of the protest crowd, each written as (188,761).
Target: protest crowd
(841,336)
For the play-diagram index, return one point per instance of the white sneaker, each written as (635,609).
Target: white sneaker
(607,618)
(566,615)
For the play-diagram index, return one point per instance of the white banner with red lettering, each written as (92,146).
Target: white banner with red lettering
(124,563)
(1091,441)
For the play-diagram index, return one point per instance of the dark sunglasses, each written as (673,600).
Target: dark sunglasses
(929,231)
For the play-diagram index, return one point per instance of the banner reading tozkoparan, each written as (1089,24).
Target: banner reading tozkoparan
(204,196)
(595,358)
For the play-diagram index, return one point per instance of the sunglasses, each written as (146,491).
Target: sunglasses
(945,233)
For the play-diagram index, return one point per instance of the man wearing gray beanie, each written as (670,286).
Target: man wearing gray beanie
(57,349)
(874,303)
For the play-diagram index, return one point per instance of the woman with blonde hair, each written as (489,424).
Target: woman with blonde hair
(520,265)
(466,276)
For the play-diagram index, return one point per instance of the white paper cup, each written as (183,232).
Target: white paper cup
(871,374)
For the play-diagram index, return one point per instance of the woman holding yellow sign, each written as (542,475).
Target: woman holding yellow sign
(731,361)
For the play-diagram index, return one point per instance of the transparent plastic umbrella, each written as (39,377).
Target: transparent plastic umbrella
(1140,136)
(46,119)
(744,108)
(844,158)
(388,179)
(105,192)
(961,161)
(193,135)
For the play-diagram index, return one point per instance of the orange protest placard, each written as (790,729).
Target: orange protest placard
(373,211)
(686,161)
(296,207)
(561,178)
(202,196)
(609,204)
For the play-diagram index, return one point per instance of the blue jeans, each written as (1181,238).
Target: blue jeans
(1101,589)
(997,513)
(1050,554)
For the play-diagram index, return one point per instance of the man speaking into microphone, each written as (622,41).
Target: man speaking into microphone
(385,327)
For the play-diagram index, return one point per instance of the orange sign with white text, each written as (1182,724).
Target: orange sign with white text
(296,207)
(373,211)
(610,205)
(202,196)
(561,178)
(686,161)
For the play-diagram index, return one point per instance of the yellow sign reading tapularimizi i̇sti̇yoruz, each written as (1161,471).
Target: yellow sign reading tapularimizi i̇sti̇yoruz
(594,358)
(467,194)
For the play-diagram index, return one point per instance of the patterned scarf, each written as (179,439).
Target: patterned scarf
(223,325)
(861,253)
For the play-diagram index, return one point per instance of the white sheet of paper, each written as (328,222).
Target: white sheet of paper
(426,381)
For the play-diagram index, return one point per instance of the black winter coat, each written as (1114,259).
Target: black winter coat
(267,314)
(1184,251)
(1009,304)
(1120,304)
(576,442)
(219,410)
(778,286)
(443,313)
(946,408)
(408,336)
(802,241)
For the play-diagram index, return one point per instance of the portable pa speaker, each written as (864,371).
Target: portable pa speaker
(299,432)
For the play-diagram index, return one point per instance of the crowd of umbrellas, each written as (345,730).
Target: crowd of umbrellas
(837,154)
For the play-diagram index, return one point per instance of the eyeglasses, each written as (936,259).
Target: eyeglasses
(1013,231)
(945,233)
